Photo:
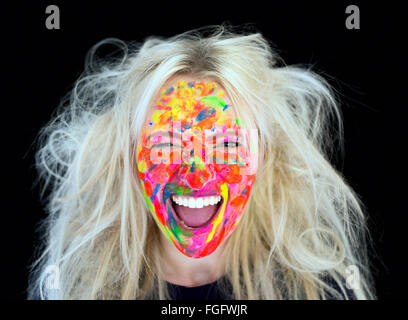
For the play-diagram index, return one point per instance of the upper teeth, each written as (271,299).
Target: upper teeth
(192,202)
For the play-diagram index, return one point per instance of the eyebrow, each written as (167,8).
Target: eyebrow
(158,133)
(226,134)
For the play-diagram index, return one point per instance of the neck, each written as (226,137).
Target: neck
(191,272)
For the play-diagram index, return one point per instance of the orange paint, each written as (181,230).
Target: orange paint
(237,201)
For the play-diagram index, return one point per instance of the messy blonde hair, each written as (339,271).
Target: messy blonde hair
(303,223)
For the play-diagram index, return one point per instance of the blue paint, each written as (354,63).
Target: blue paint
(150,123)
(192,167)
(225,107)
(244,192)
(169,90)
(225,222)
(166,194)
(190,84)
(218,160)
(204,114)
(171,222)
(169,189)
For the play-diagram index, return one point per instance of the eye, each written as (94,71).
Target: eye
(163,145)
(231,144)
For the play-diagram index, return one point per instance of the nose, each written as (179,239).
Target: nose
(196,173)
(194,170)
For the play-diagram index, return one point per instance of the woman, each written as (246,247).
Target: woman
(198,161)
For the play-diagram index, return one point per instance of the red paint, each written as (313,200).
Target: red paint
(194,181)
(159,214)
(148,188)
(141,175)
(198,178)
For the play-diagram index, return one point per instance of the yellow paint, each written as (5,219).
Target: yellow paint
(196,128)
(220,93)
(141,165)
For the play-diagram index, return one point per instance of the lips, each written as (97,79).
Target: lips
(194,218)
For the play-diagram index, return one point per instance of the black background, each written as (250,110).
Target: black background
(366,66)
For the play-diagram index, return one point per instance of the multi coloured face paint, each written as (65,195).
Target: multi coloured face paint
(195,166)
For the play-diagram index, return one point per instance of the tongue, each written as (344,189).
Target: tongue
(195,217)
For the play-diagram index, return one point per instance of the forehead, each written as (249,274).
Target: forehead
(202,102)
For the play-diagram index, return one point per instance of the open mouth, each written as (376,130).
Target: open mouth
(195,212)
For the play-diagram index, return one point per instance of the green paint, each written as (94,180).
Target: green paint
(167,233)
(181,190)
(179,233)
(214,101)
(198,162)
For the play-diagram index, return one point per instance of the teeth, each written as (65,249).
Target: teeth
(192,202)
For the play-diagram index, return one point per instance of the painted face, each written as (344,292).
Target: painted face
(196,166)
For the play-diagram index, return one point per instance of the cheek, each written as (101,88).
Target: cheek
(231,174)
(152,176)
(158,174)
(238,201)
(240,192)
(239,185)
